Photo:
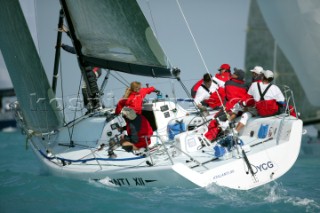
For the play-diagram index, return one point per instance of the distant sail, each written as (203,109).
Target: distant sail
(115,35)
(5,81)
(265,50)
(30,82)
(295,26)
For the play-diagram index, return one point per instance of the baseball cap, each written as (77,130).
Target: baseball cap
(257,70)
(129,113)
(268,74)
(239,73)
(224,67)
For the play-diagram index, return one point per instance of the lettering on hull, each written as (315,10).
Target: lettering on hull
(223,174)
(256,168)
(137,181)
(262,167)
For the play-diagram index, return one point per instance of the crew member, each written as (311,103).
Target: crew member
(134,96)
(139,130)
(209,94)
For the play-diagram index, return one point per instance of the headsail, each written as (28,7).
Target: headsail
(115,35)
(26,71)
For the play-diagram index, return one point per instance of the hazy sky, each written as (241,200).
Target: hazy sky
(218,26)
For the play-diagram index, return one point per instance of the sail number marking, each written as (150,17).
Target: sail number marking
(137,181)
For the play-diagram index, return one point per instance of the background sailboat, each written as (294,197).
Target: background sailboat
(7,96)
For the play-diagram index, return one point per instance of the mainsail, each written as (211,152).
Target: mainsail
(115,35)
(28,77)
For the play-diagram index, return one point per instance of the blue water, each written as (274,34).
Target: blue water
(24,187)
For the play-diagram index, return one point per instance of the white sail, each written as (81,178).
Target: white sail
(5,81)
(295,25)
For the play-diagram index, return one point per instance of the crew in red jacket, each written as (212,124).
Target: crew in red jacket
(209,93)
(224,74)
(265,100)
(235,89)
(139,130)
(133,97)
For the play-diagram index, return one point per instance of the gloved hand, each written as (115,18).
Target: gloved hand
(243,104)
(157,91)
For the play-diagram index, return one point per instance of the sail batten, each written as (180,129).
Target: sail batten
(115,35)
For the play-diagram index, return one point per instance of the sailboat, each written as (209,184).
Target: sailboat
(115,36)
(7,96)
(7,119)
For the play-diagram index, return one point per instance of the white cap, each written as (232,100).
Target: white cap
(129,113)
(257,69)
(268,74)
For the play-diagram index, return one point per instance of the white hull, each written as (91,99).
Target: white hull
(179,162)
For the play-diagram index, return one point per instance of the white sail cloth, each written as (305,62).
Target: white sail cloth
(295,25)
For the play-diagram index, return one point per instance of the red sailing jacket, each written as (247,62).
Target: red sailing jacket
(213,130)
(144,131)
(195,87)
(267,107)
(214,100)
(236,91)
(226,76)
(135,100)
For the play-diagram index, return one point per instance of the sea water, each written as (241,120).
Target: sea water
(24,187)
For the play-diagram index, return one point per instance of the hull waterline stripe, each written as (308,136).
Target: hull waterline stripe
(90,159)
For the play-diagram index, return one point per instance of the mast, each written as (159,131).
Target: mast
(57,55)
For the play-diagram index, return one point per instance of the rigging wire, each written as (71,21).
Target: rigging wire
(120,80)
(153,23)
(75,111)
(62,93)
(62,97)
(168,61)
(200,54)
(155,33)
(36,26)
(193,38)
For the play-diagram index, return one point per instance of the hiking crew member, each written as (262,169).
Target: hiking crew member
(257,74)
(235,89)
(268,97)
(207,94)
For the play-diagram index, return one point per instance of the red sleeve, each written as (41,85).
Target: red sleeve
(215,100)
(249,101)
(120,105)
(144,91)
